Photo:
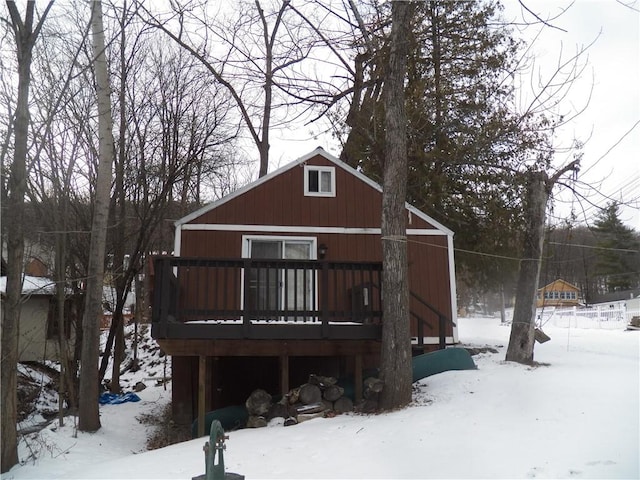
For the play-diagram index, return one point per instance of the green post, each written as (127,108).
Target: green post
(214,448)
(213,457)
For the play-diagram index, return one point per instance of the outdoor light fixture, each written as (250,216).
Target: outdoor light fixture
(322,251)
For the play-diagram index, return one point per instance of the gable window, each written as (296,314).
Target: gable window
(319,181)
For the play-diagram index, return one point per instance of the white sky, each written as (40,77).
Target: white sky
(609,126)
(608,87)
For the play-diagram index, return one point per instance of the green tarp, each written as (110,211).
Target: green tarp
(441,361)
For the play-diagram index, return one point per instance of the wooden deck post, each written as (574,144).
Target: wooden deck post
(284,374)
(357,378)
(324,298)
(202,378)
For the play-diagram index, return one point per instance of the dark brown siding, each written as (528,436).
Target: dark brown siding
(429,279)
(428,263)
(281,201)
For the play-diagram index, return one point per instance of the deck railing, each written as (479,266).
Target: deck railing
(238,298)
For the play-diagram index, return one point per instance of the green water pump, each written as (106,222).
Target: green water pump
(214,456)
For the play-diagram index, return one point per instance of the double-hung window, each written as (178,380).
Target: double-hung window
(319,181)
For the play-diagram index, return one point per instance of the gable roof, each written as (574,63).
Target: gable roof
(559,283)
(303,159)
(32,285)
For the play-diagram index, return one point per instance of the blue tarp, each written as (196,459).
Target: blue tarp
(107,398)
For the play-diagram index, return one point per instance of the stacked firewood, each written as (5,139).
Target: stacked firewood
(372,388)
(319,397)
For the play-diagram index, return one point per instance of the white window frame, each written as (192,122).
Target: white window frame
(246,243)
(320,170)
(246,253)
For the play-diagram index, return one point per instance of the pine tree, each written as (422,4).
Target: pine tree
(466,141)
(618,262)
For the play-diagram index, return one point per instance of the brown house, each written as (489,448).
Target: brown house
(558,294)
(283,278)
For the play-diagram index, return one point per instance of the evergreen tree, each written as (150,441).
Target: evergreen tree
(467,143)
(618,263)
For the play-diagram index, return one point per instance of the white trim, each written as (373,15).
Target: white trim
(434,340)
(320,169)
(246,253)
(452,289)
(313,253)
(177,240)
(224,227)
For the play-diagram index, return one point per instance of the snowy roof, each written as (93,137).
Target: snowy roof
(32,286)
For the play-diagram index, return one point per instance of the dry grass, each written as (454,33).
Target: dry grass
(164,432)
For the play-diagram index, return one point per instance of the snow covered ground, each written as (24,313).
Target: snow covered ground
(577,417)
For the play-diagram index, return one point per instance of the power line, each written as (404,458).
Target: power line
(612,147)
(507,257)
(626,250)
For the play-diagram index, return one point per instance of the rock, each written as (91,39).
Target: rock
(139,387)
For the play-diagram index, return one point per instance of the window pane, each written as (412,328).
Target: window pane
(297,251)
(313,181)
(266,249)
(325,185)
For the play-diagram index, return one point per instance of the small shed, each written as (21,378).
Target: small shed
(38,327)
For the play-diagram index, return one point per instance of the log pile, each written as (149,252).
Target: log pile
(319,397)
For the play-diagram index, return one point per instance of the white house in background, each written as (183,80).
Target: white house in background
(628,299)
(38,327)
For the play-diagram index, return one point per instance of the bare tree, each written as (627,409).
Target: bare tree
(260,50)
(173,132)
(52,190)
(25,33)
(119,210)
(88,413)
(539,186)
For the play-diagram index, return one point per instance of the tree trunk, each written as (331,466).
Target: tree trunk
(89,415)
(25,38)
(15,257)
(118,355)
(395,362)
(120,217)
(503,312)
(521,341)
(63,346)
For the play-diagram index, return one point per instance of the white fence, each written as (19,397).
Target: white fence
(598,316)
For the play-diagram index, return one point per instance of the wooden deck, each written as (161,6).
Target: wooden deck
(206,309)
(253,299)
(277,300)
